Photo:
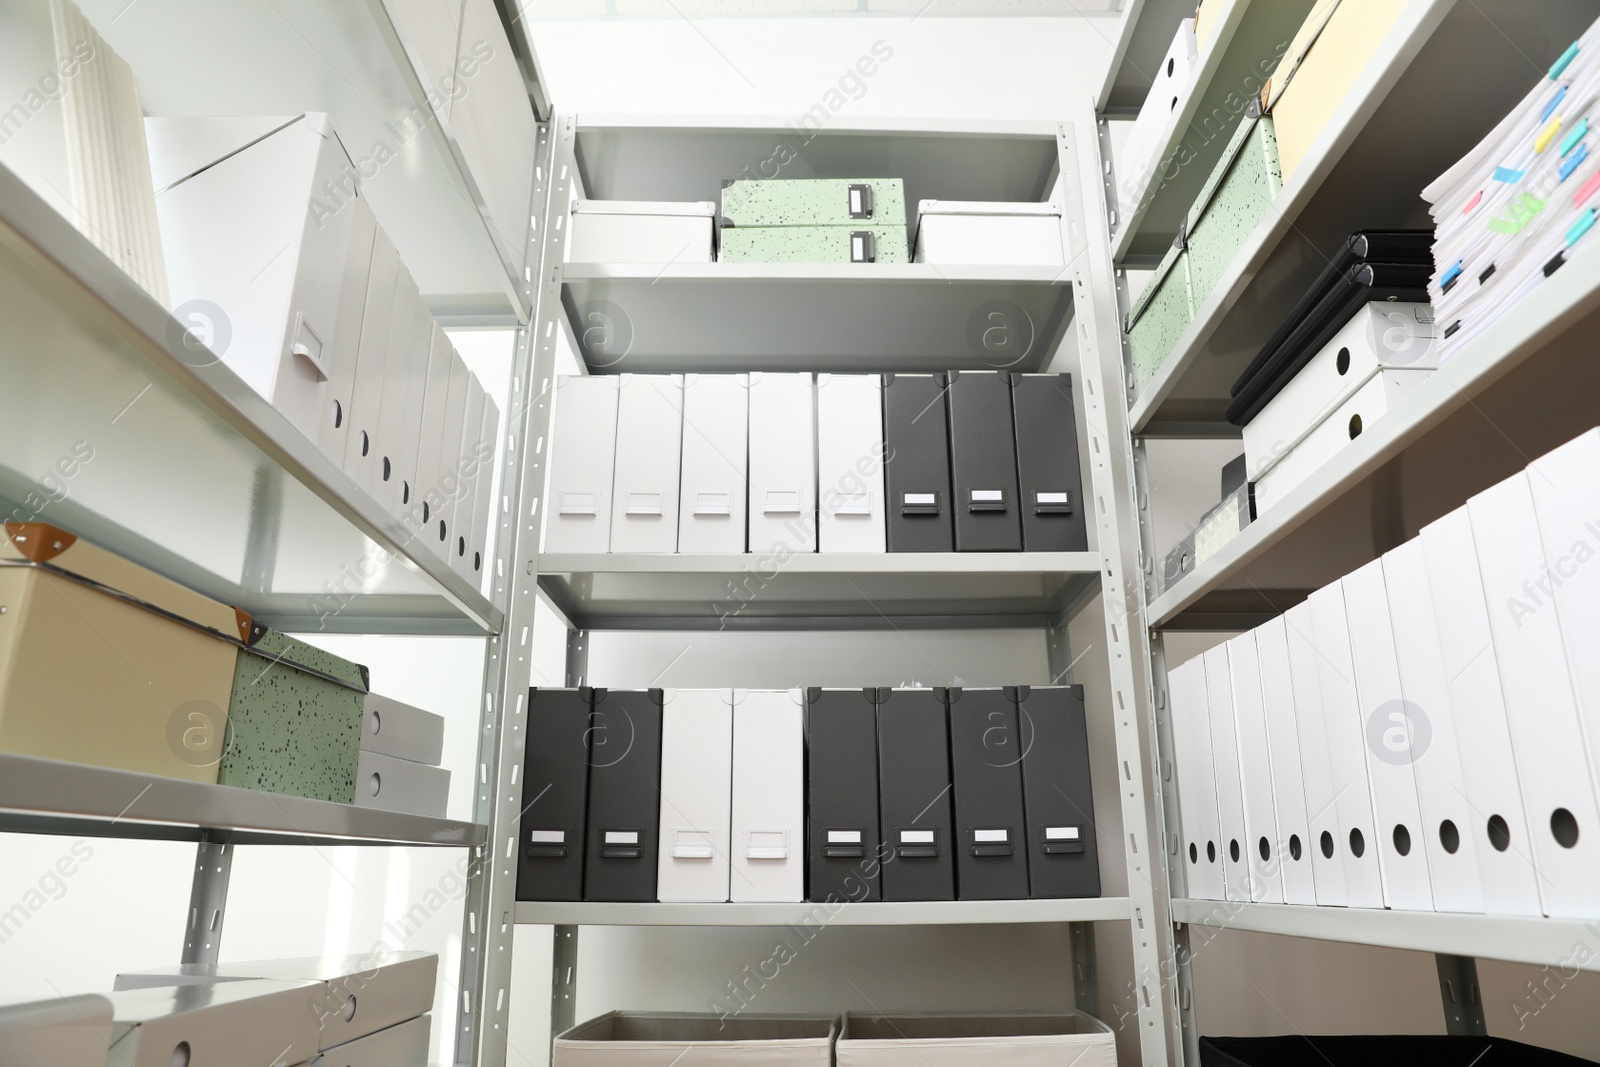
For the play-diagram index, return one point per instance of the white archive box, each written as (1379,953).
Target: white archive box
(1546,733)
(350,996)
(405,378)
(372,358)
(472,471)
(265,283)
(1197,787)
(333,433)
(65,1032)
(1262,845)
(265,1023)
(850,503)
(969,231)
(783,463)
(641,1039)
(716,432)
(483,513)
(399,785)
(1390,729)
(1346,744)
(1168,87)
(768,824)
(645,481)
(1442,787)
(1233,839)
(450,494)
(1316,769)
(1335,433)
(696,792)
(426,499)
(1381,336)
(1283,760)
(582,456)
(1499,828)
(641,231)
(392,728)
(994,1039)
(401,1045)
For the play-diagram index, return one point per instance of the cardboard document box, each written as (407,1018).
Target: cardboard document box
(1295,843)
(582,456)
(473,471)
(399,785)
(769,816)
(396,729)
(65,1032)
(633,231)
(270,1023)
(1262,842)
(842,824)
(916,463)
(555,795)
(850,512)
(914,784)
(401,1045)
(1316,768)
(696,795)
(983,463)
(1234,838)
(624,816)
(964,231)
(1050,483)
(405,379)
(715,477)
(783,463)
(986,751)
(1197,786)
(1057,794)
(445,500)
(645,486)
(423,511)
(372,357)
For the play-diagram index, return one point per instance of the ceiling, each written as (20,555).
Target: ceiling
(544,10)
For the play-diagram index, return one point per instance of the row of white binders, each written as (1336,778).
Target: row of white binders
(1424,733)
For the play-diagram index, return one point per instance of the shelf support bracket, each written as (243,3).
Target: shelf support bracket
(1463,1001)
(208,898)
(563,980)
(1085,972)
(577,658)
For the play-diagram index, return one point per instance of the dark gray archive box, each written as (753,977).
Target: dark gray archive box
(1062,859)
(914,790)
(916,463)
(555,795)
(843,859)
(624,795)
(983,462)
(1047,463)
(986,750)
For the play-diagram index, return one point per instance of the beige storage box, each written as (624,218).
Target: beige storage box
(105,662)
(67,1032)
(263,1024)
(1012,1039)
(639,1039)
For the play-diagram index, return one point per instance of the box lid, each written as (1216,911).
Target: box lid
(54,549)
(272,1024)
(689,208)
(1231,155)
(986,207)
(268,643)
(1164,268)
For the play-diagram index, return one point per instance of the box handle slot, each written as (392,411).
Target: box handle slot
(782,502)
(694,844)
(1052,503)
(860,196)
(1063,840)
(845,844)
(713,503)
(547,844)
(580,504)
(918,844)
(851,503)
(919,504)
(766,845)
(863,246)
(991,843)
(621,845)
(987,500)
(645,504)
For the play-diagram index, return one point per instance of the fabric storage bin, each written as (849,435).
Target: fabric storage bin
(1011,1039)
(813,244)
(105,662)
(66,1032)
(966,231)
(640,1039)
(294,719)
(1388,1050)
(641,231)
(1160,315)
(1233,200)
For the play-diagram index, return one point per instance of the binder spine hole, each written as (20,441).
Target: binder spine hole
(1294,846)
(1564,827)
(180,1054)
(1211,852)
(1194,853)
(1355,427)
(1264,847)
(1449,836)
(338,415)
(1326,841)
(1342,362)
(1358,844)
(1402,840)
(1499,833)
(1233,850)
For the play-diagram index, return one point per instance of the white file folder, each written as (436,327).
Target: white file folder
(582,451)
(430,438)
(1499,828)
(783,464)
(1294,845)
(1346,742)
(372,356)
(696,792)
(483,511)
(644,493)
(1233,838)
(768,838)
(1447,817)
(850,508)
(1261,843)
(473,470)
(1316,769)
(390,784)
(1546,736)
(333,429)
(1389,728)
(716,431)
(405,377)
(445,499)
(1197,787)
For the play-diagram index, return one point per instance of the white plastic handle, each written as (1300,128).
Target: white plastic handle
(645,504)
(713,503)
(782,502)
(580,504)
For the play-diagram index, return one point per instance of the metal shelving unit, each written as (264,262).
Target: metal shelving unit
(844,913)
(1143,34)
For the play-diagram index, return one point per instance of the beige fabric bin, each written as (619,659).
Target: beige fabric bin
(1012,1039)
(639,1039)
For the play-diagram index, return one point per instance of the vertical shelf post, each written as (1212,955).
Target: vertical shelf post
(208,898)
(1463,1001)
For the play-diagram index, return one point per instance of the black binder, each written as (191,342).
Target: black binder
(986,750)
(1047,464)
(843,855)
(1062,859)
(983,462)
(914,786)
(916,463)
(624,795)
(555,795)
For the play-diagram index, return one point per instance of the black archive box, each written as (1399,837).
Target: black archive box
(843,861)
(986,766)
(916,463)
(1062,857)
(555,795)
(983,462)
(624,795)
(914,785)
(1047,464)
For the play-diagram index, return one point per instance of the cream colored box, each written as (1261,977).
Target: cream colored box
(639,1039)
(68,1032)
(1012,1039)
(264,1024)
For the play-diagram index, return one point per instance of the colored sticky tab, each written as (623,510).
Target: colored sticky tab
(1448,278)
(1477,198)
(1575,136)
(1586,190)
(1555,102)
(1572,162)
(1581,227)
(1551,128)
(1507,175)
(1566,59)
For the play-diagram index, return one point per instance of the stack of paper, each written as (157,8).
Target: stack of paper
(1508,214)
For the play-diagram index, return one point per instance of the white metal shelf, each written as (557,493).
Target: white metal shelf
(48,797)
(810,591)
(843,913)
(192,473)
(1518,939)
(1522,387)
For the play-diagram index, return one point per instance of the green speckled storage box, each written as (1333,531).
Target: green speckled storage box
(1160,316)
(1234,200)
(294,722)
(815,202)
(811,244)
